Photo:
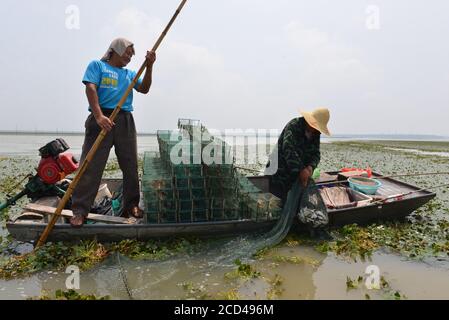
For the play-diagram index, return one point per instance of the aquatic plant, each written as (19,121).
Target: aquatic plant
(276,287)
(195,292)
(353,284)
(296,260)
(229,295)
(69,295)
(87,254)
(54,256)
(156,249)
(385,290)
(415,240)
(243,270)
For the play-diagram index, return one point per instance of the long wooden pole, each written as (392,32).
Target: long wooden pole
(101,136)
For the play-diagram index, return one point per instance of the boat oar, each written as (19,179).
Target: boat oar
(101,136)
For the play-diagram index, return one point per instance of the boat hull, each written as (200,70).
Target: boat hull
(112,233)
(395,210)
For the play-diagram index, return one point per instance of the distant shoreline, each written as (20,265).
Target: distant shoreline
(409,137)
(62,133)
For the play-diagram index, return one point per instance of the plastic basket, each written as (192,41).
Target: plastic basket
(364,185)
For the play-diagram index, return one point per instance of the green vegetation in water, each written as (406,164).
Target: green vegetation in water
(54,256)
(353,241)
(243,270)
(156,250)
(353,284)
(415,240)
(296,260)
(112,165)
(276,287)
(87,254)
(69,295)
(195,292)
(112,169)
(229,295)
(385,289)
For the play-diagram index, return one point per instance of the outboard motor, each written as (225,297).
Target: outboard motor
(54,166)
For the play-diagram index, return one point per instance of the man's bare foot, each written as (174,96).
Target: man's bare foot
(135,212)
(77,221)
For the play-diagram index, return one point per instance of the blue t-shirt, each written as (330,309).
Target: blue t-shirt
(112,83)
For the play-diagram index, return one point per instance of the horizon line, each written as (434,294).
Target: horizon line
(337,135)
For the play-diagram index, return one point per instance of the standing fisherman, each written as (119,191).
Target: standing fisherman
(106,81)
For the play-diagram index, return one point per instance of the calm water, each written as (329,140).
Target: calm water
(28,144)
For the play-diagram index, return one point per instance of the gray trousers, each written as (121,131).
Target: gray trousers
(123,138)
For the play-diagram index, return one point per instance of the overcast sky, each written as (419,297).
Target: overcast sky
(379,66)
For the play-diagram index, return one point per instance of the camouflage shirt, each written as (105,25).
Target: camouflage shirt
(294,152)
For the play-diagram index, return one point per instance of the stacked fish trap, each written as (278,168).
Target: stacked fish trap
(181,185)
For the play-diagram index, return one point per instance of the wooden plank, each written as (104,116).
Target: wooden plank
(51,201)
(325,177)
(29,216)
(48,201)
(68,214)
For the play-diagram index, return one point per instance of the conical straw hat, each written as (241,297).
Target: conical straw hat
(318,119)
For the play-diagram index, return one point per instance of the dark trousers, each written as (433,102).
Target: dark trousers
(278,190)
(123,138)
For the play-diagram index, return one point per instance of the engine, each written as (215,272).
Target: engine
(55,163)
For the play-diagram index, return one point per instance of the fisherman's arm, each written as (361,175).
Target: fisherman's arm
(92,97)
(148,77)
(294,155)
(314,154)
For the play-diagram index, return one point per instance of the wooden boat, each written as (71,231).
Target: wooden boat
(30,224)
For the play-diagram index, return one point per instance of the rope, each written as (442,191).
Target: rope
(123,276)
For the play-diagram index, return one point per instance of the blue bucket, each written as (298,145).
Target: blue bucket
(364,185)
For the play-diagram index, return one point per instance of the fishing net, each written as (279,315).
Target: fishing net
(312,210)
(244,248)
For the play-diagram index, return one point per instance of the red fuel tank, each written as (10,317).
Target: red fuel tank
(67,162)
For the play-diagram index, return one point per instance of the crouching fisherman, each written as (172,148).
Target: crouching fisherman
(296,156)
